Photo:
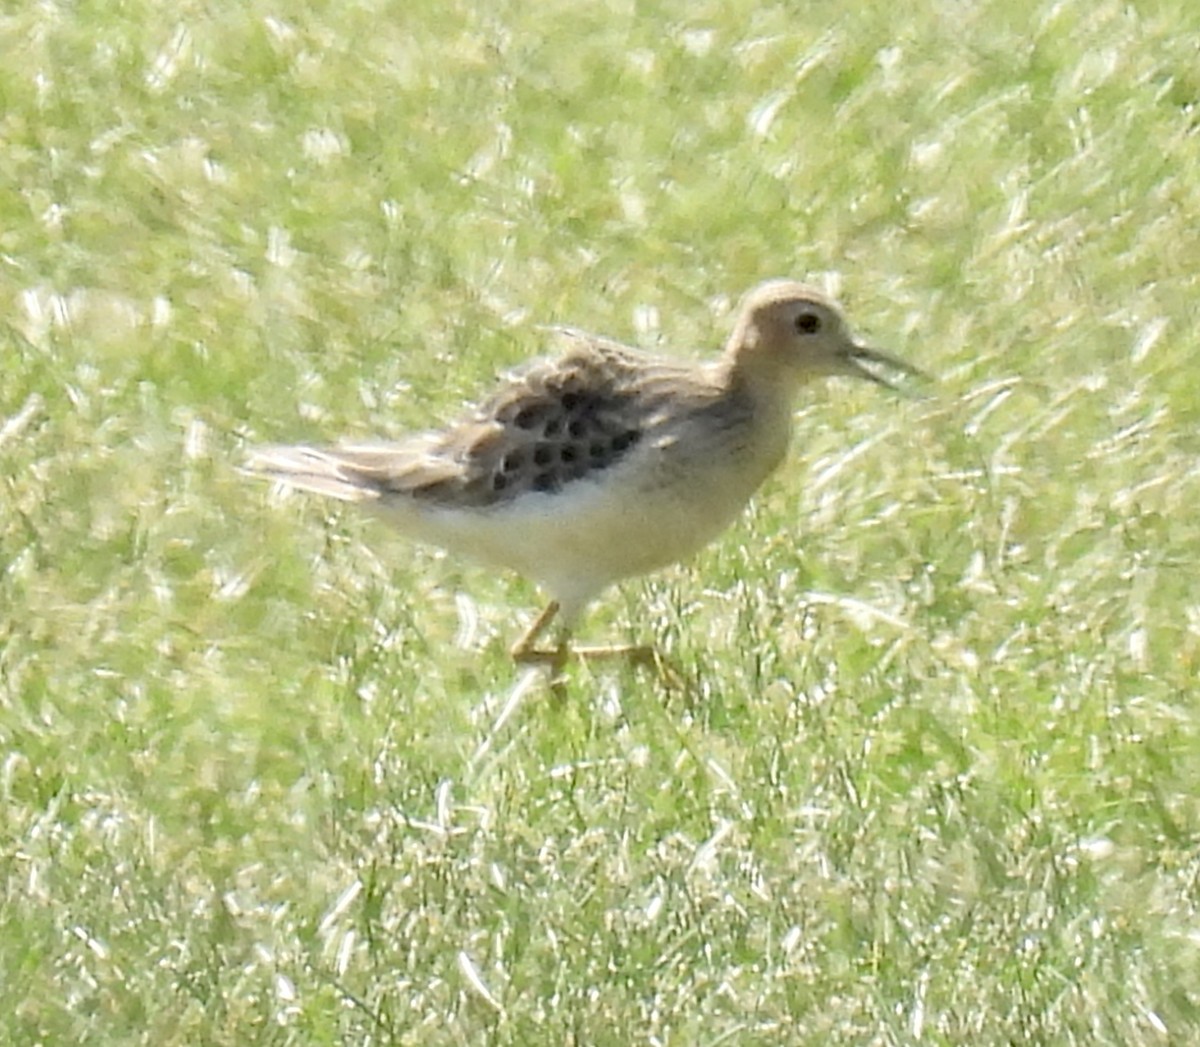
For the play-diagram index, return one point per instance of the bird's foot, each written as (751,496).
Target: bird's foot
(554,659)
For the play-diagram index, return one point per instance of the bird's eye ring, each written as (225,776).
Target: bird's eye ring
(808,323)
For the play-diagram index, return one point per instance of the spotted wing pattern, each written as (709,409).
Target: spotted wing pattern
(548,425)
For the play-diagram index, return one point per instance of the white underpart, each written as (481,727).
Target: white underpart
(629,519)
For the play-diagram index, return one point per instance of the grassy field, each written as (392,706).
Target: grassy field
(268,775)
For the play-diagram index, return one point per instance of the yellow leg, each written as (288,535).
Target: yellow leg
(527,652)
(637,653)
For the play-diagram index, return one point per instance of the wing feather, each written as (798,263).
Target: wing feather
(552,423)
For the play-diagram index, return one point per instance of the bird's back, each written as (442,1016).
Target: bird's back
(547,426)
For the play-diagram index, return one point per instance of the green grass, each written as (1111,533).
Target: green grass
(267,774)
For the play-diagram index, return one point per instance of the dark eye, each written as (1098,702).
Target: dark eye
(808,323)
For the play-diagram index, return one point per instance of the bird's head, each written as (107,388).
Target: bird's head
(790,332)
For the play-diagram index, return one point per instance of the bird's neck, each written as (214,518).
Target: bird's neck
(766,402)
(767,386)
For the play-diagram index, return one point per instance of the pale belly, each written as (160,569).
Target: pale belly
(629,520)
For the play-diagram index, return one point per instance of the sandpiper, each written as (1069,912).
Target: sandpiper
(603,463)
